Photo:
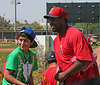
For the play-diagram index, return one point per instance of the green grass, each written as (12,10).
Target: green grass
(94,46)
(11,45)
(5,43)
(4,54)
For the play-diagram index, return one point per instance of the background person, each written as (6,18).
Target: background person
(16,41)
(88,39)
(71,50)
(22,61)
(49,74)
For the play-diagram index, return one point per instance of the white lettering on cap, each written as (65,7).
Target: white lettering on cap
(51,10)
(52,56)
(22,30)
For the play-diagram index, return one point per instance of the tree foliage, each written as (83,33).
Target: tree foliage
(5,24)
(91,26)
(81,25)
(35,25)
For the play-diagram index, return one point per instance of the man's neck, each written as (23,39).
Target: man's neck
(64,29)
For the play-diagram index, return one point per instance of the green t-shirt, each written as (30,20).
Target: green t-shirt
(22,65)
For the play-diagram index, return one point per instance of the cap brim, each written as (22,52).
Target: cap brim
(49,16)
(34,45)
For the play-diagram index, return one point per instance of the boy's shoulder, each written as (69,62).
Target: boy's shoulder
(18,52)
(15,52)
(32,52)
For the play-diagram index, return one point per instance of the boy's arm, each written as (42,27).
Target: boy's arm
(10,78)
(31,79)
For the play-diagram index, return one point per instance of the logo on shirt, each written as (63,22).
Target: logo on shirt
(61,49)
(25,67)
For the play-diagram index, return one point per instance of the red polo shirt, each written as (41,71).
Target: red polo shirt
(73,43)
(48,76)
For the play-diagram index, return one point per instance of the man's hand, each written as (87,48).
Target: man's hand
(60,76)
(76,67)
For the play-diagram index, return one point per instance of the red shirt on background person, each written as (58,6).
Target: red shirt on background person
(16,41)
(49,74)
(88,39)
(16,37)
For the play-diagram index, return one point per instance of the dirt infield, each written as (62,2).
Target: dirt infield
(6,50)
(97,51)
(4,44)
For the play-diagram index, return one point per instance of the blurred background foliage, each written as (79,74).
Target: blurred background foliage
(7,24)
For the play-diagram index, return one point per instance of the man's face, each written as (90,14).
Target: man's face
(24,43)
(55,24)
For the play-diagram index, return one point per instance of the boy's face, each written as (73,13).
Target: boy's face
(24,43)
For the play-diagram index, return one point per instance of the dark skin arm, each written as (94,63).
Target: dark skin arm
(76,67)
(10,78)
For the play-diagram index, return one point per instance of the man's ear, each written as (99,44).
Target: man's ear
(32,42)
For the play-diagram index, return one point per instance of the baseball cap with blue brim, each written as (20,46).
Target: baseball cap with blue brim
(50,55)
(31,33)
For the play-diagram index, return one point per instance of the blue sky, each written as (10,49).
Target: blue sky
(30,10)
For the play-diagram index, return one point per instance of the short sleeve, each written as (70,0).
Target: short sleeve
(12,62)
(81,48)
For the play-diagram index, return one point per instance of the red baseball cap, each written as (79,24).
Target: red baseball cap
(56,12)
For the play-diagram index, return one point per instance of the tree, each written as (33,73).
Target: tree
(35,25)
(26,22)
(4,23)
(81,25)
(91,26)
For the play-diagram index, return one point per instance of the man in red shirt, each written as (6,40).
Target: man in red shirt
(49,74)
(72,51)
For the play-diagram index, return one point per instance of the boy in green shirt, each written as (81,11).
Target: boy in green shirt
(22,61)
